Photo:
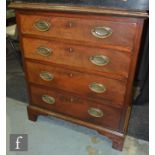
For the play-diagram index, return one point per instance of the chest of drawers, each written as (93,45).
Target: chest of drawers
(80,64)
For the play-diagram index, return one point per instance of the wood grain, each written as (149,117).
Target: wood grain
(76,107)
(71,78)
(78,56)
(80,31)
(129,91)
(77,82)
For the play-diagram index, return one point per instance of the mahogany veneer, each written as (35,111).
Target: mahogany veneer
(78,28)
(78,56)
(80,64)
(76,82)
(75,107)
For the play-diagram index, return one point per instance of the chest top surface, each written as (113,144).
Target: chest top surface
(141,5)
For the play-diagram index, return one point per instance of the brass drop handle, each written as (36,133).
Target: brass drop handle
(101,32)
(42,25)
(44,75)
(95,112)
(44,51)
(48,99)
(99,60)
(97,87)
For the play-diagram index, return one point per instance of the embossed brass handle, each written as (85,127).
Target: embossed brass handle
(97,87)
(95,112)
(101,32)
(46,76)
(44,51)
(99,60)
(41,25)
(48,99)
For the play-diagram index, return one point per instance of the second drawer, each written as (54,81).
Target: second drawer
(87,85)
(94,59)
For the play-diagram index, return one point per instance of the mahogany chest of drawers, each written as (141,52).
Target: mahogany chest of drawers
(80,64)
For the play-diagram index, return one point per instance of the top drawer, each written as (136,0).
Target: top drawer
(102,31)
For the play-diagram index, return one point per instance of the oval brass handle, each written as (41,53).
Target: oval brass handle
(95,112)
(99,60)
(97,87)
(48,99)
(44,51)
(101,32)
(42,25)
(46,76)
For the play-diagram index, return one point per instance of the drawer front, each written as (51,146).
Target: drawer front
(87,85)
(93,59)
(75,107)
(95,31)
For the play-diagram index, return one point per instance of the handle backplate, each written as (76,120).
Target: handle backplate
(97,87)
(101,32)
(99,60)
(42,25)
(44,51)
(44,75)
(95,112)
(48,99)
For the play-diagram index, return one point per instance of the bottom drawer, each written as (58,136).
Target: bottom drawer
(76,107)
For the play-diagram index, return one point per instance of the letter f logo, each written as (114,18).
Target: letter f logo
(17,142)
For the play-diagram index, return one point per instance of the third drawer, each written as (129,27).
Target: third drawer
(87,85)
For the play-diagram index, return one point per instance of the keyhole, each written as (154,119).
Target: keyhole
(70,24)
(71,99)
(70,74)
(70,50)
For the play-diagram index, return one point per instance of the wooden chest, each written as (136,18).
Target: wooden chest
(80,64)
